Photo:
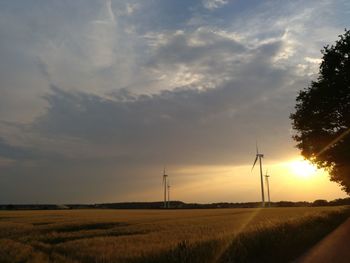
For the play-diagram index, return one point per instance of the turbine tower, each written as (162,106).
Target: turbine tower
(165,187)
(268,187)
(168,194)
(260,156)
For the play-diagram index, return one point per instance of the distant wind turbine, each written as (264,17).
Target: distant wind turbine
(260,156)
(165,187)
(168,194)
(268,187)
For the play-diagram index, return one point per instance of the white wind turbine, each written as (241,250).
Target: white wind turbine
(268,187)
(165,187)
(260,156)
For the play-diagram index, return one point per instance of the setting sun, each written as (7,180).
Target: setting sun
(303,168)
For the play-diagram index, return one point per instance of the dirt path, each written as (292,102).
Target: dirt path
(333,248)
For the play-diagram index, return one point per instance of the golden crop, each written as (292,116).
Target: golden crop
(132,235)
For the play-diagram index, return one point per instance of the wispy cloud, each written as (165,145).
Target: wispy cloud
(213,4)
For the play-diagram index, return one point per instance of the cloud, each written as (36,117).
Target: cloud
(213,4)
(110,11)
(131,8)
(11,152)
(192,125)
(196,58)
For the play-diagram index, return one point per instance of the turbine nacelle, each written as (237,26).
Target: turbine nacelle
(164,176)
(266,175)
(258,155)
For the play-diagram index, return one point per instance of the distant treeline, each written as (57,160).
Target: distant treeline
(173,205)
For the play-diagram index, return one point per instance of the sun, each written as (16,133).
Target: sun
(303,168)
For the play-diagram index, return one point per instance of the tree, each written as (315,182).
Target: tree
(320,202)
(322,114)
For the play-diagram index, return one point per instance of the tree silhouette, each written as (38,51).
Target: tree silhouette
(322,114)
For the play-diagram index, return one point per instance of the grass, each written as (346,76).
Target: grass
(208,235)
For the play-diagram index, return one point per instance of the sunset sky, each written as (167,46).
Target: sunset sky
(98,95)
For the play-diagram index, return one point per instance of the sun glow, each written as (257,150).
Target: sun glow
(303,168)
(290,179)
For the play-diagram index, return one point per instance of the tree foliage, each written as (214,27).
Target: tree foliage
(322,114)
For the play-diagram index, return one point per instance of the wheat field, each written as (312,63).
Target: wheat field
(207,235)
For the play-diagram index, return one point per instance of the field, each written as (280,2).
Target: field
(208,235)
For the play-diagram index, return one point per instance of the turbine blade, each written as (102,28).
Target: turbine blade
(256,158)
(256,145)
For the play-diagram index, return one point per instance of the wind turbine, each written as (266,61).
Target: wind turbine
(165,187)
(168,194)
(260,156)
(268,187)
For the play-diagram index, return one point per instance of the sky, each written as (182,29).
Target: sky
(97,96)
